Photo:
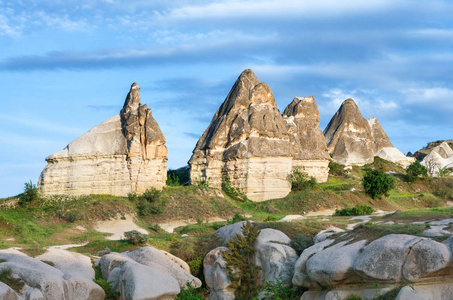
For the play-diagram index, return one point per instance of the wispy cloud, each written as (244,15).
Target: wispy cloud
(42,125)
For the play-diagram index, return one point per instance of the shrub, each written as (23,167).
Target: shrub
(443,173)
(150,202)
(276,291)
(135,238)
(173,179)
(336,169)
(414,171)
(236,218)
(31,193)
(300,181)
(241,270)
(301,242)
(109,294)
(190,293)
(377,183)
(230,190)
(358,210)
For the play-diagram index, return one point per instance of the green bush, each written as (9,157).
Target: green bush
(135,237)
(190,293)
(150,202)
(276,291)
(377,183)
(415,170)
(300,181)
(301,242)
(173,179)
(358,210)
(336,169)
(236,218)
(31,193)
(443,173)
(230,190)
(244,274)
(109,294)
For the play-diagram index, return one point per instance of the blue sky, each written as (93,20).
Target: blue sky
(67,65)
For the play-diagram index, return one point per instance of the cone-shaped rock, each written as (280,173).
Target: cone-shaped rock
(380,138)
(249,139)
(125,154)
(349,137)
(310,147)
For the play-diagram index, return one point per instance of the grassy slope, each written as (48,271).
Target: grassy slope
(53,221)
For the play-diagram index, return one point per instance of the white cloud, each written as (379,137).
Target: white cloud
(429,96)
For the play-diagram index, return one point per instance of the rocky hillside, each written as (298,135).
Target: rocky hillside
(420,154)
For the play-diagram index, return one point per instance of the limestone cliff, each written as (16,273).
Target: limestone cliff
(250,140)
(352,140)
(309,144)
(125,154)
(349,136)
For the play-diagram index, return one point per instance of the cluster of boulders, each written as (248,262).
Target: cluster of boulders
(146,274)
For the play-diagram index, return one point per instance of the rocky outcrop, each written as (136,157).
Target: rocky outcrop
(440,157)
(352,140)
(125,154)
(55,275)
(392,261)
(272,254)
(250,140)
(310,148)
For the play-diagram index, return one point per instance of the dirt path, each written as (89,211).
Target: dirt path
(118,227)
(170,226)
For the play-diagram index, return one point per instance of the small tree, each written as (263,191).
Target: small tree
(31,193)
(415,170)
(377,183)
(300,180)
(432,165)
(241,269)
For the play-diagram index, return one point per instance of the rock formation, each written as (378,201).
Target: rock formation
(250,140)
(352,140)
(440,157)
(55,275)
(125,154)
(420,264)
(271,252)
(309,144)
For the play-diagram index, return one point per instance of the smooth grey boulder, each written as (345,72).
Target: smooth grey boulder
(274,256)
(324,234)
(383,258)
(216,275)
(426,256)
(229,232)
(7,293)
(165,262)
(440,291)
(36,274)
(300,277)
(34,294)
(334,264)
(136,281)
(78,272)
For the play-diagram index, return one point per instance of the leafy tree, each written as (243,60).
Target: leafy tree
(377,183)
(31,193)
(241,269)
(230,190)
(415,170)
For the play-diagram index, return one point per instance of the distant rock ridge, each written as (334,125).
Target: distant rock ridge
(250,140)
(125,154)
(352,140)
(440,157)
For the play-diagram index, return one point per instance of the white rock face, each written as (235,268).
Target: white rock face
(394,155)
(250,140)
(439,158)
(125,154)
(216,275)
(70,279)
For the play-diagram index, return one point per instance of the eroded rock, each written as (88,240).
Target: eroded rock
(125,154)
